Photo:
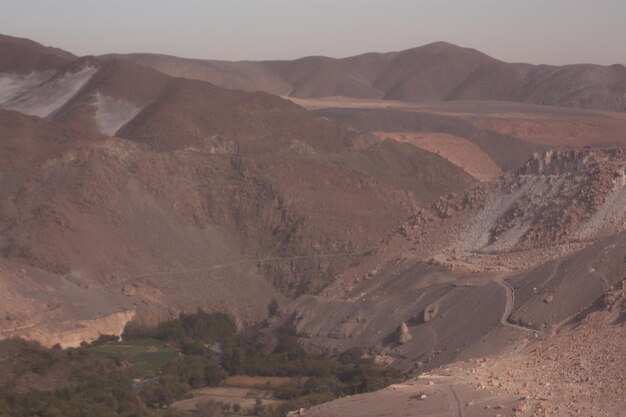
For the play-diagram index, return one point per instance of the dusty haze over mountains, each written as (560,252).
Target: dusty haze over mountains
(436,210)
(556,32)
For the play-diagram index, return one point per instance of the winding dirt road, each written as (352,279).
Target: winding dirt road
(505,320)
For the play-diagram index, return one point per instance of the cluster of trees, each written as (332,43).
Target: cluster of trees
(179,377)
(105,396)
(26,365)
(197,327)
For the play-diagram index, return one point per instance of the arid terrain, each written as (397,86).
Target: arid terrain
(577,369)
(521,264)
(459,218)
(189,208)
(436,72)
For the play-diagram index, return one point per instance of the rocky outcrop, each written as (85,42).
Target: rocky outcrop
(558,162)
(560,202)
(429,313)
(402,334)
(72,334)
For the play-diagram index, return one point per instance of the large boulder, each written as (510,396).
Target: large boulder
(402,334)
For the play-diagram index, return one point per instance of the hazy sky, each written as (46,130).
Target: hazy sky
(536,31)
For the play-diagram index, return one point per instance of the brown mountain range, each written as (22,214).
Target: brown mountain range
(434,72)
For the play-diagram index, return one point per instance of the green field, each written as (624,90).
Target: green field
(146,356)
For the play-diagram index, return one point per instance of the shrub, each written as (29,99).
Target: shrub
(287,391)
(134,330)
(351,355)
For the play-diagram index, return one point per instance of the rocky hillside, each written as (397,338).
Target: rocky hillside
(578,370)
(461,277)
(558,203)
(434,72)
(205,197)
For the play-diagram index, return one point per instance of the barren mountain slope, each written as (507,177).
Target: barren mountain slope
(457,150)
(438,71)
(243,75)
(44,93)
(185,228)
(25,143)
(210,198)
(107,221)
(85,93)
(513,257)
(194,113)
(52,309)
(114,95)
(579,370)
(482,138)
(23,56)
(507,152)
(559,202)
(426,73)
(429,73)
(452,314)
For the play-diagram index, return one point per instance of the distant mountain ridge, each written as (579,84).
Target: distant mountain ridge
(435,72)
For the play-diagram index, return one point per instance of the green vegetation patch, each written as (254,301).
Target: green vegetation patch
(146,356)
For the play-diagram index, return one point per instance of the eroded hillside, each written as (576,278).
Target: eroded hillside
(578,370)
(466,275)
(206,197)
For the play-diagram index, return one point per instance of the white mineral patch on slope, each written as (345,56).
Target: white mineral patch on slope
(113,113)
(477,233)
(543,189)
(15,85)
(46,98)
